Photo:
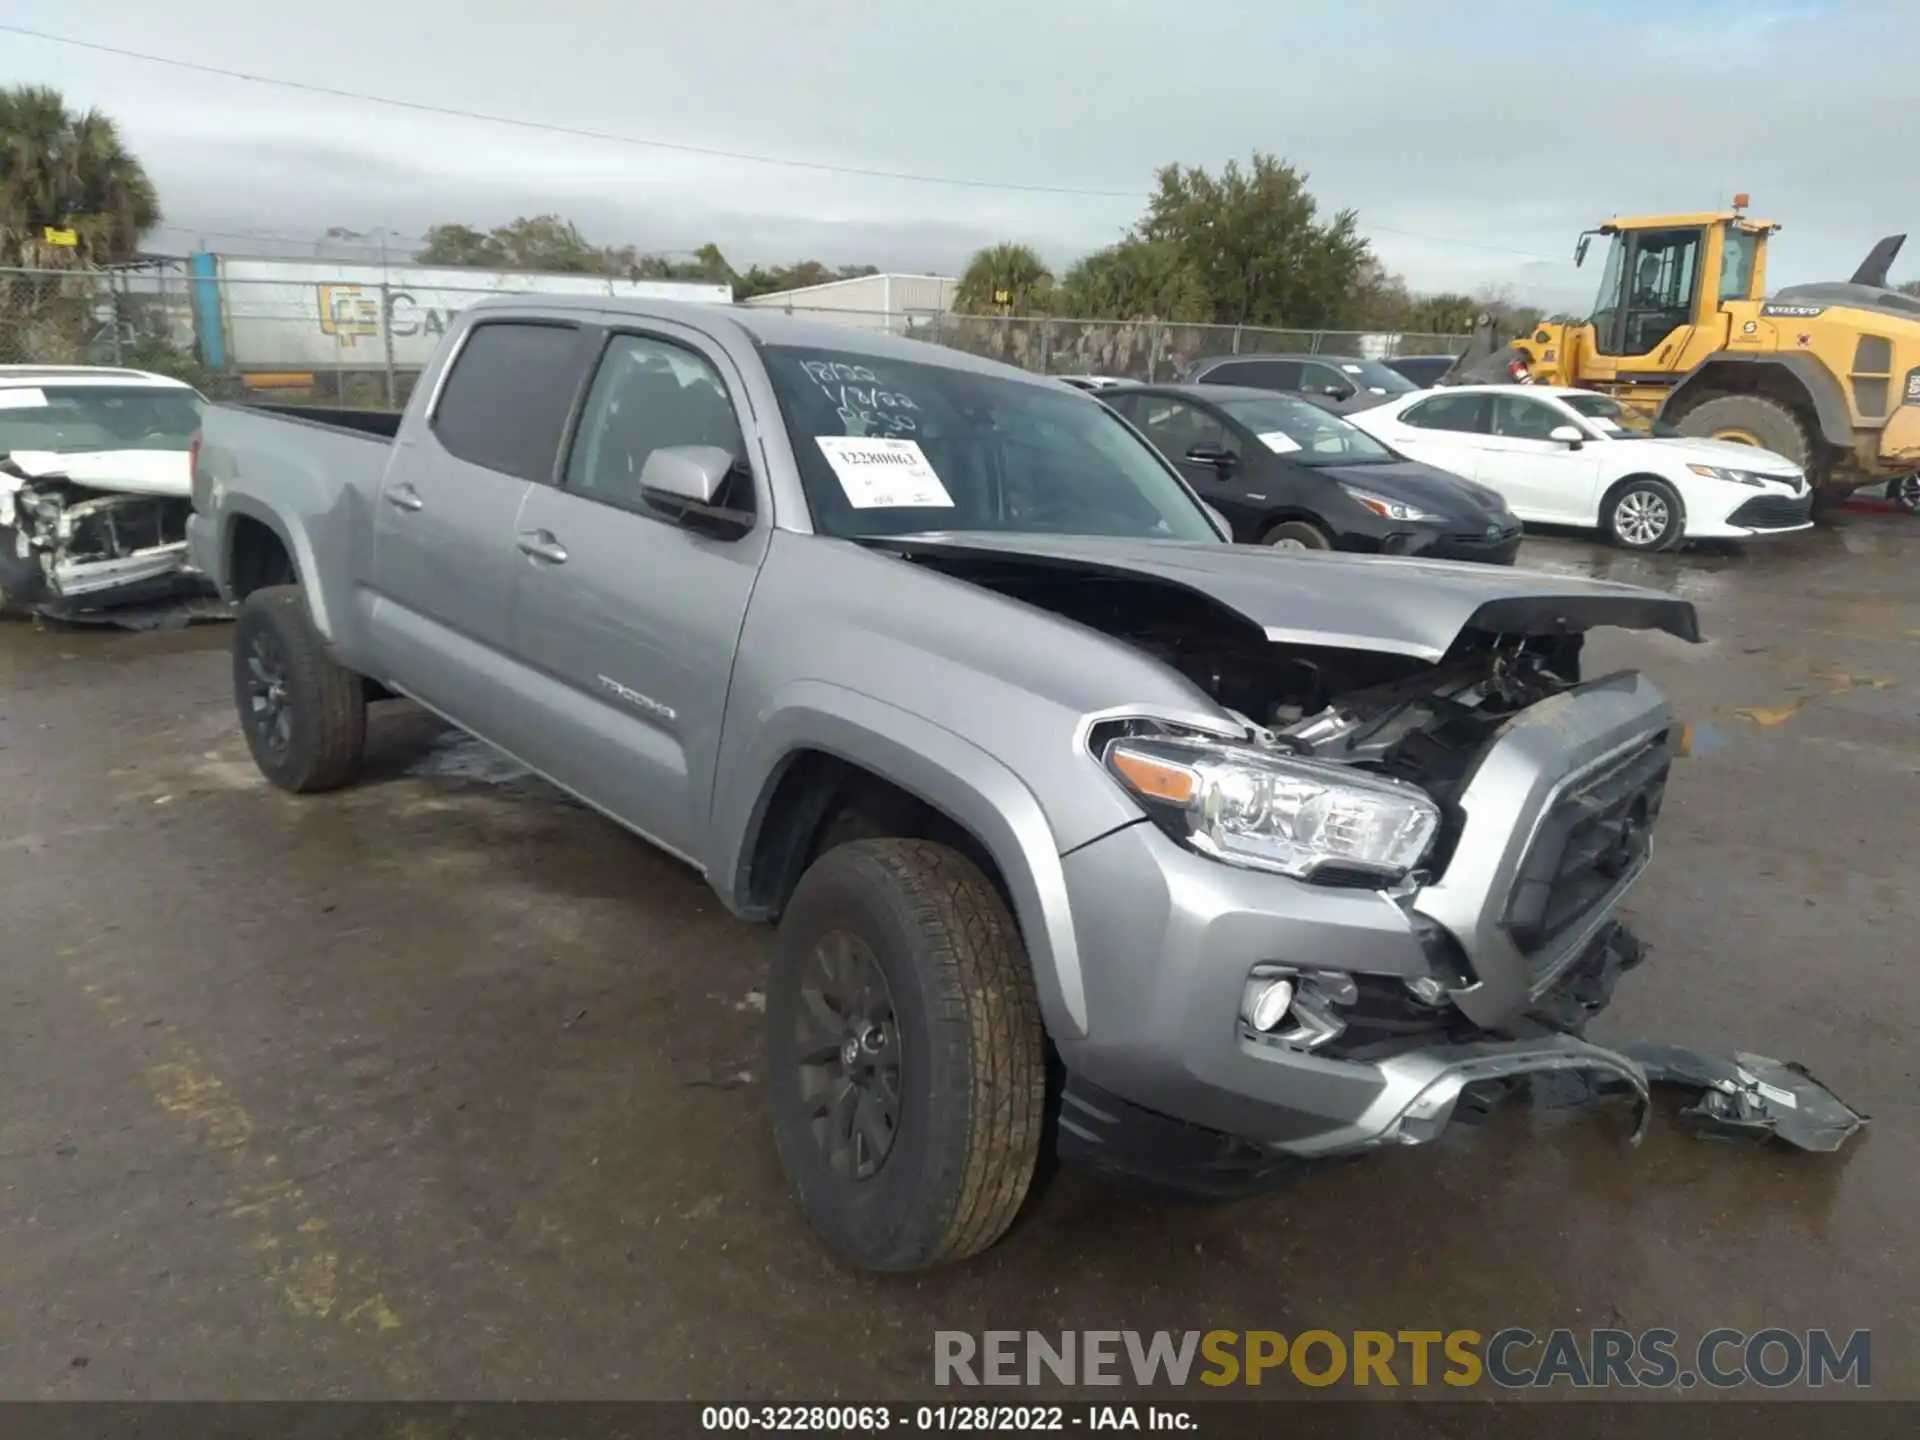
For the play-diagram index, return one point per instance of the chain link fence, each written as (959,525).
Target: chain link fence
(353,344)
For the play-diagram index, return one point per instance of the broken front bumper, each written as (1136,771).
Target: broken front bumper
(60,556)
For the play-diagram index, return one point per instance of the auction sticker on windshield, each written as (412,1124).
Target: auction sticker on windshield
(1279,442)
(23,399)
(880,474)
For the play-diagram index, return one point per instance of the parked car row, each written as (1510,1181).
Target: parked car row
(1451,472)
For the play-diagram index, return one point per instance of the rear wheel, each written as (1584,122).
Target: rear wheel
(1297,535)
(1904,491)
(304,716)
(1643,513)
(906,1061)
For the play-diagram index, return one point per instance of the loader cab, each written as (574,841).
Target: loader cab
(1665,285)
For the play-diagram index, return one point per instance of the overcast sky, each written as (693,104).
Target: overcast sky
(1475,140)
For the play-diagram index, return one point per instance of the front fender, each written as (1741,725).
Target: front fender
(949,773)
(1829,403)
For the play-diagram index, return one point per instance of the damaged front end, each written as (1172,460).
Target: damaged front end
(1344,1006)
(68,549)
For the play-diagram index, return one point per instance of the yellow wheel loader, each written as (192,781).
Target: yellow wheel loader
(1826,374)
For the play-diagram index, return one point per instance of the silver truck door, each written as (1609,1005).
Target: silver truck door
(626,622)
(444,562)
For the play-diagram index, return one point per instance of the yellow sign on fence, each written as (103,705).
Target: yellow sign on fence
(60,237)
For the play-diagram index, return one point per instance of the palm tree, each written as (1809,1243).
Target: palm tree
(1007,270)
(67,171)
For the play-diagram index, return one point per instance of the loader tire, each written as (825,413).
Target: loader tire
(906,1059)
(304,716)
(1754,420)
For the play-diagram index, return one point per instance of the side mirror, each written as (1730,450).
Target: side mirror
(1567,435)
(684,481)
(1217,456)
(1337,392)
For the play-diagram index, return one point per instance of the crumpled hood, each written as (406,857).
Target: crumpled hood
(1388,604)
(125,472)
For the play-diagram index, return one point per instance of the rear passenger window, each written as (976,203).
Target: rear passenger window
(1449,412)
(505,404)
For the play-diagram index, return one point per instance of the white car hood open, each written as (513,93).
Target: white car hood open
(124,472)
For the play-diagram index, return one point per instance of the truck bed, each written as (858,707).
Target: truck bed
(367,424)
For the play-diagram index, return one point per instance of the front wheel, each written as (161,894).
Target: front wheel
(1643,514)
(1297,535)
(906,1061)
(1904,491)
(305,716)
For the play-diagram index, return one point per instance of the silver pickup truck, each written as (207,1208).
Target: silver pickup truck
(1086,831)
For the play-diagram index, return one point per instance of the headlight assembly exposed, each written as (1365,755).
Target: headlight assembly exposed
(1264,811)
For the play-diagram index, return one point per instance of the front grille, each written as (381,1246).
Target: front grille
(1772,512)
(1594,835)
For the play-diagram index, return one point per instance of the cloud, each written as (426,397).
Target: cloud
(1474,140)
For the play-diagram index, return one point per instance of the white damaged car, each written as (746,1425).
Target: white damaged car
(1576,457)
(95,487)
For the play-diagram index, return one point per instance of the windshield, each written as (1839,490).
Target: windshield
(68,419)
(890,447)
(1615,420)
(1374,375)
(1306,432)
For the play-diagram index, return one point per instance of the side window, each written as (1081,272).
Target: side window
(1175,427)
(1461,413)
(650,394)
(505,403)
(1260,374)
(1520,417)
(1326,380)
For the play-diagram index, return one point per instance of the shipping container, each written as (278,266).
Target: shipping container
(324,315)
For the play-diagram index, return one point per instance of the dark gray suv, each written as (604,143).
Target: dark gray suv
(1340,383)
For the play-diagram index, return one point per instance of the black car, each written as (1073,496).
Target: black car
(1288,474)
(1424,371)
(1341,383)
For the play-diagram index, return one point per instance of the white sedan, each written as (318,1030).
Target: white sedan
(1575,457)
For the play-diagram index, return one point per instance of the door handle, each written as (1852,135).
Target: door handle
(405,497)
(540,545)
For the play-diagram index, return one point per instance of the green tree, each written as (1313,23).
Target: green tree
(770,280)
(1008,269)
(67,171)
(1133,280)
(1443,314)
(545,243)
(1255,240)
(1909,287)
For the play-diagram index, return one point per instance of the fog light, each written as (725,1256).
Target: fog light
(1266,1002)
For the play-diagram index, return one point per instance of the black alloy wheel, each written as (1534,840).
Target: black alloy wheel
(848,1054)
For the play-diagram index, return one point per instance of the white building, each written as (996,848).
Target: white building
(897,303)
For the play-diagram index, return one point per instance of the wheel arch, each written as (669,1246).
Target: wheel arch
(1798,381)
(1637,477)
(823,747)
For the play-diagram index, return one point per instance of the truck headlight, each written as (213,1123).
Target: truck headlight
(1264,811)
